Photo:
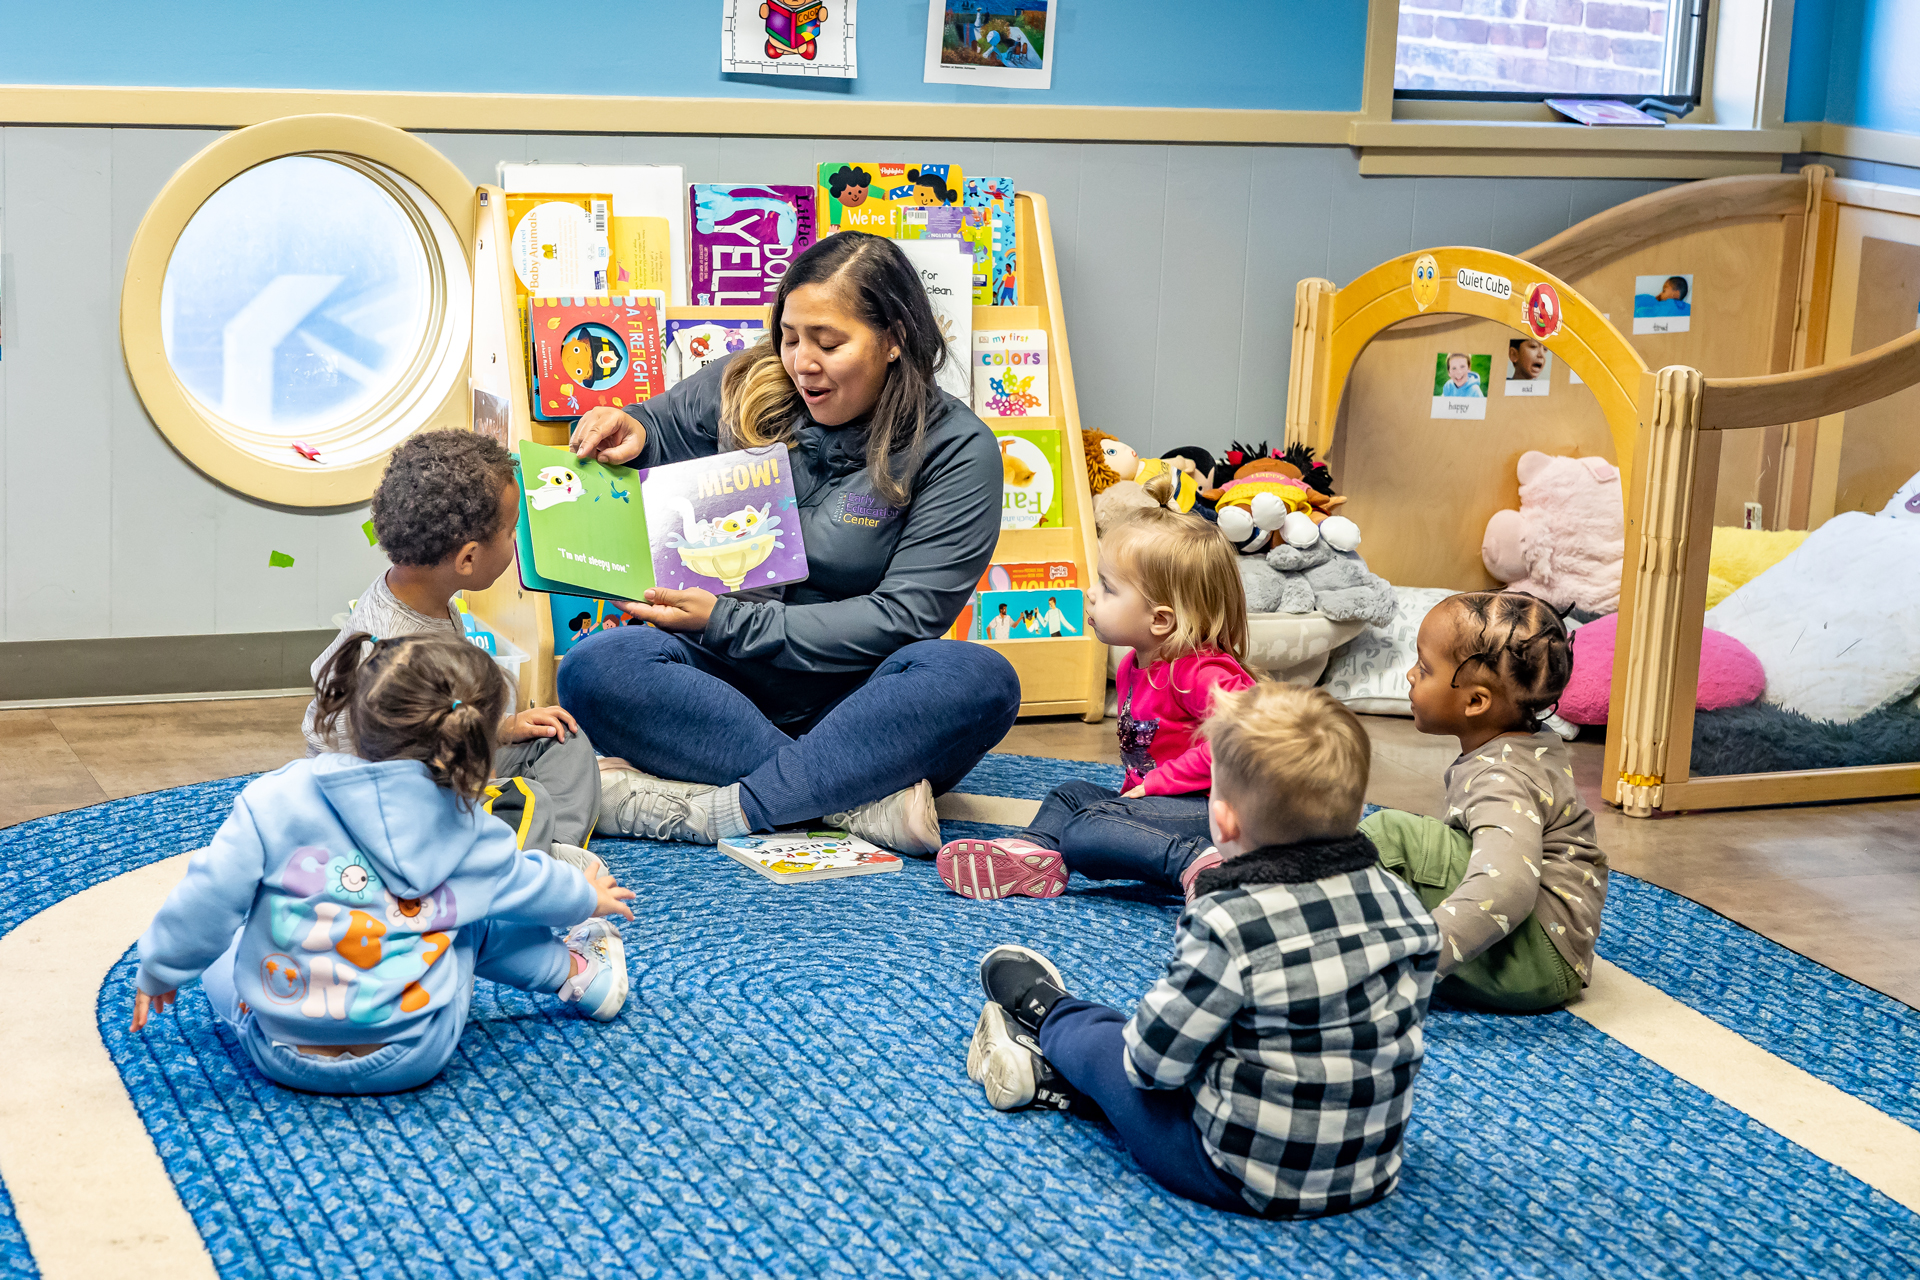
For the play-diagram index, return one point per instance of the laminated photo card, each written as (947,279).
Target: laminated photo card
(1004,43)
(1460,384)
(1529,368)
(1662,304)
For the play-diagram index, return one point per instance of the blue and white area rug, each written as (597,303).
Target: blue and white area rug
(785,1095)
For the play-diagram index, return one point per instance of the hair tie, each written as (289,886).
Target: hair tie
(456,703)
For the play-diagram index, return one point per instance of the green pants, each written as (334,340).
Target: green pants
(1523,972)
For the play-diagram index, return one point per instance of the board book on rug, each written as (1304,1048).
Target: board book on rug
(725,523)
(589,353)
(792,857)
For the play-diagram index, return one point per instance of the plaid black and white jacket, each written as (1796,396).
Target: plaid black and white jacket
(1292,1009)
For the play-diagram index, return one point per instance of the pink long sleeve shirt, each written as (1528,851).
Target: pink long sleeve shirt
(1160,713)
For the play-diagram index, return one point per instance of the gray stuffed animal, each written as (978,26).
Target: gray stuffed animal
(1337,583)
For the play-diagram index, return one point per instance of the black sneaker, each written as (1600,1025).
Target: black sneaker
(1022,982)
(1004,1060)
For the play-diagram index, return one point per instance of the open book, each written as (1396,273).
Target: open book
(725,523)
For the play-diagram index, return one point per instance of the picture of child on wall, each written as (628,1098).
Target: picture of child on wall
(1529,368)
(1460,384)
(1662,304)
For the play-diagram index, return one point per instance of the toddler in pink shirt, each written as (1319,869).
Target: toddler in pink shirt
(1170,591)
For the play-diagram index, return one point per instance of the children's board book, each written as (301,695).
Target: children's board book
(989,231)
(744,239)
(649,232)
(791,857)
(1025,575)
(560,243)
(692,345)
(577,617)
(858,195)
(1031,477)
(946,271)
(1010,373)
(590,352)
(1046,614)
(725,523)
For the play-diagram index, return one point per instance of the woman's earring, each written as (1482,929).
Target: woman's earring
(893,355)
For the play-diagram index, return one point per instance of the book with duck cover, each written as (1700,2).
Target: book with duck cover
(725,523)
(793,857)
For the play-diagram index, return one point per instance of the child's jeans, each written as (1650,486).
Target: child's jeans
(1104,836)
(1082,1040)
(525,956)
(546,790)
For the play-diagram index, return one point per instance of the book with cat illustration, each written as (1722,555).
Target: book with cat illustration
(594,352)
(725,523)
(1032,477)
(791,857)
(1010,373)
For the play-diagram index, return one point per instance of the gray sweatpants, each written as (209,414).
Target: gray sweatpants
(546,790)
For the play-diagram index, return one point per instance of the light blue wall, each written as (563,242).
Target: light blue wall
(1856,62)
(1289,54)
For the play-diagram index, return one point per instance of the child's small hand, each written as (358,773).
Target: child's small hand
(612,898)
(1135,793)
(538,722)
(143,1003)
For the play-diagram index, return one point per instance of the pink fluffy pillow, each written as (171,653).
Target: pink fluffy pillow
(1730,676)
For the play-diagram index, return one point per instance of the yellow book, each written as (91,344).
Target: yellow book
(642,255)
(862,196)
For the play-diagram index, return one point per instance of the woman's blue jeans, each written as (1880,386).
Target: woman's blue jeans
(677,710)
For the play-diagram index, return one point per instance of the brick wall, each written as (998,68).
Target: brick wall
(1531,46)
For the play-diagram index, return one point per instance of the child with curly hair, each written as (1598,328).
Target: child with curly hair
(445,513)
(1514,875)
(345,907)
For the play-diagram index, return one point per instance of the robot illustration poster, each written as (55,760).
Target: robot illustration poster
(788,38)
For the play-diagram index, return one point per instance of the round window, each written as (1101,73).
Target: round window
(296,299)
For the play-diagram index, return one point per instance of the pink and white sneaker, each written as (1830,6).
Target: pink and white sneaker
(989,869)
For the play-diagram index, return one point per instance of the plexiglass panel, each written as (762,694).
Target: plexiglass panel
(296,298)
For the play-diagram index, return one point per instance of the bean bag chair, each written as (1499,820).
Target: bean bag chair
(1730,676)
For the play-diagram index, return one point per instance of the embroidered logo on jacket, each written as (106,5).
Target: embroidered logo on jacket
(864,509)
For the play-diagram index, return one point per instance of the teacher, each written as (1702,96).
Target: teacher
(829,698)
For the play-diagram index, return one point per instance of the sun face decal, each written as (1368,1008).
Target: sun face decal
(1426,281)
(351,879)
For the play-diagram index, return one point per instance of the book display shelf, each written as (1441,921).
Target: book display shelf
(1058,676)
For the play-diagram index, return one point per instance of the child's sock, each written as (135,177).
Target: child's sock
(1206,860)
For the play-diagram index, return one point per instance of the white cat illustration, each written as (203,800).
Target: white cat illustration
(557,485)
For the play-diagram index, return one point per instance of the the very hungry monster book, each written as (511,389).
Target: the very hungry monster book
(725,523)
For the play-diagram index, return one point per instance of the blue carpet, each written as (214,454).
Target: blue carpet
(786,1096)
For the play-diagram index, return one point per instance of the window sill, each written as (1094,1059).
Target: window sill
(1533,149)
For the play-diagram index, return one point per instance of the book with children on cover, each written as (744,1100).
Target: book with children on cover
(594,352)
(859,195)
(791,857)
(725,523)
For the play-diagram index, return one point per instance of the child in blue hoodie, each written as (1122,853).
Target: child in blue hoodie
(341,913)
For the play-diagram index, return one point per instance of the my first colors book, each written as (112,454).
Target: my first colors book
(725,523)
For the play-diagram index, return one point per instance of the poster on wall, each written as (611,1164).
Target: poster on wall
(1662,304)
(1004,43)
(1460,384)
(788,38)
(1529,368)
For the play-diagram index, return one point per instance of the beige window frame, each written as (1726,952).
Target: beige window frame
(432,392)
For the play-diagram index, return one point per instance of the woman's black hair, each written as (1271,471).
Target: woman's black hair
(873,277)
(846,176)
(431,698)
(1521,642)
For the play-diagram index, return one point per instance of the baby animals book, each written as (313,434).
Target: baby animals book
(790,857)
(590,352)
(725,523)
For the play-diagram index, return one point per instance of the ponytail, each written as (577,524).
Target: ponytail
(429,698)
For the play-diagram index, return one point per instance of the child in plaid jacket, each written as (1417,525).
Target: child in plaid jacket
(1271,1070)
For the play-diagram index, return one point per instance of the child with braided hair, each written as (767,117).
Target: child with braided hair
(1513,875)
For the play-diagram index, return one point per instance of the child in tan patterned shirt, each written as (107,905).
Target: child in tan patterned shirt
(1513,876)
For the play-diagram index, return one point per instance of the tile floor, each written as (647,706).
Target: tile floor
(1839,884)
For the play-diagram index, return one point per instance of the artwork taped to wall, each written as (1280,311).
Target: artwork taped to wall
(1004,43)
(789,38)
(1460,384)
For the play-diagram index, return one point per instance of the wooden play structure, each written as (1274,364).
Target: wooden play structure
(1793,387)
(1057,676)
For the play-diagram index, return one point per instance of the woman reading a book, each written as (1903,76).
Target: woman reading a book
(829,698)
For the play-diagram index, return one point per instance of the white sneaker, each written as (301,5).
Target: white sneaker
(905,822)
(600,988)
(633,803)
(574,856)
